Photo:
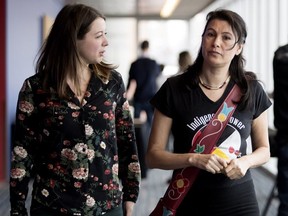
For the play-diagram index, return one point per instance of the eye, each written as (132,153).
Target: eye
(99,35)
(210,34)
(227,37)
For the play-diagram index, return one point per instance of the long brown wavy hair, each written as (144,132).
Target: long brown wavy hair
(59,56)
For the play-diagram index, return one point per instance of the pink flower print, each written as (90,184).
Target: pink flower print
(111,116)
(105,187)
(115,157)
(108,204)
(80,173)
(88,130)
(20,151)
(115,169)
(134,157)
(90,154)
(90,201)
(52,183)
(17,173)
(81,147)
(75,114)
(105,115)
(69,154)
(73,106)
(21,117)
(77,184)
(126,105)
(26,107)
(42,105)
(134,167)
(107,172)
(87,94)
(66,142)
(107,103)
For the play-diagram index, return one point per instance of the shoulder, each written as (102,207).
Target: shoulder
(183,79)
(34,80)
(281,53)
(116,77)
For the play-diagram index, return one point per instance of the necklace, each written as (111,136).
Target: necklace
(210,87)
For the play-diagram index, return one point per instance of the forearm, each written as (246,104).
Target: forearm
(257,158)
(168,160)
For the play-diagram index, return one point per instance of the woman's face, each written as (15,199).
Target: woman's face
(92,47)
(218,43)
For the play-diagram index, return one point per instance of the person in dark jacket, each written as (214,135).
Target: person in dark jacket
(280,75)
(142,83)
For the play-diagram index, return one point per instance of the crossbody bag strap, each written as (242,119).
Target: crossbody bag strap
(204,144)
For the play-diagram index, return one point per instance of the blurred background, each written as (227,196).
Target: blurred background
(24,25)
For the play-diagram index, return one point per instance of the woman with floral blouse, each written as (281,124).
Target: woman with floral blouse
(74,133)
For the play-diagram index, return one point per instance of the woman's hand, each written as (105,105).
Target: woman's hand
(128,208)
(236,169)
(210,162)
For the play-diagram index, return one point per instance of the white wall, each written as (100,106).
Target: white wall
(24,33)
(267,28)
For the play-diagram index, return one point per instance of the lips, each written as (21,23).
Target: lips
(214,53)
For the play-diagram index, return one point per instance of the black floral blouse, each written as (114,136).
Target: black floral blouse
(83,158)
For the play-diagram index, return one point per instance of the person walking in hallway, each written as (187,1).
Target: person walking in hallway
(74,130)
(216,181)
(142,85)
(184,61)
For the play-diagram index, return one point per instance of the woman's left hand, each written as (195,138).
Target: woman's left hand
(236,169)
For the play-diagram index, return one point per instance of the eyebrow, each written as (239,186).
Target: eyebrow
(226,32)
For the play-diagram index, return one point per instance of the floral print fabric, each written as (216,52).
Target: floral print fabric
(83,157)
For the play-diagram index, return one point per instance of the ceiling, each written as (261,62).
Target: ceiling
(144,9)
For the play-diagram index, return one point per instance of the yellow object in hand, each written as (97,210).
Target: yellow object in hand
(220,153)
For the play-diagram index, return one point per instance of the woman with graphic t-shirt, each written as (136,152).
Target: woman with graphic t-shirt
(185,104)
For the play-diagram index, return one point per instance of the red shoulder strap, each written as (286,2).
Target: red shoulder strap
(204,143)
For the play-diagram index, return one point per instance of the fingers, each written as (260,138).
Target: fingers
(215,164)
(235,170)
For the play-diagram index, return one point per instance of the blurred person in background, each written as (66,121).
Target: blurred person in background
(142,82)
(184,60)
(142,86)
(74,129)
(280,96)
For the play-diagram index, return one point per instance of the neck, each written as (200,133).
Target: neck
(214,87)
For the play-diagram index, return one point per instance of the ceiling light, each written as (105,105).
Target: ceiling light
(168,8)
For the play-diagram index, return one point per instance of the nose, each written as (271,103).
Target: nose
(105,41)
(217,41)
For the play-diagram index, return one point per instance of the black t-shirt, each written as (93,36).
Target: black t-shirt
(145,71)
(191,111)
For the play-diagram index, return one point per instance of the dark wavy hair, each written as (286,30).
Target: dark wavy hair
(59,56)
(236,68)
